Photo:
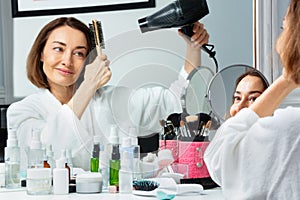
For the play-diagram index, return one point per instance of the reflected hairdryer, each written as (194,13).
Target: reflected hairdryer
(180,13)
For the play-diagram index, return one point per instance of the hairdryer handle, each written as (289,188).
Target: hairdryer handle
(188,31)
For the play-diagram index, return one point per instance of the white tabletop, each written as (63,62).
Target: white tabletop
(11,194)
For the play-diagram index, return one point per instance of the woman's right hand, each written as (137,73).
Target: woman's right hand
(97,73)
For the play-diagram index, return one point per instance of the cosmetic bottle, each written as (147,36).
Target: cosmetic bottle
(94,162)
(125,173)
(45,159)
(114,166)
(126,146)
(36,153)
(65,160)
(114,162)
(60,177)
(104,167)
(12,161)
(136,159)
(50,156)
(69,161)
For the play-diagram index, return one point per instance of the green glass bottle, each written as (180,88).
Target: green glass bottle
(114,166)
(95,158)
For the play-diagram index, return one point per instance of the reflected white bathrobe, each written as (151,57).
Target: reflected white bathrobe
(110,105)
(257,158)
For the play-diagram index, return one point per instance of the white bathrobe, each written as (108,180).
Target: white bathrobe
(257,158)
(141,109)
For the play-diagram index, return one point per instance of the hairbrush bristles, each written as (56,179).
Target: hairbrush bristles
(145,185)
(97,35)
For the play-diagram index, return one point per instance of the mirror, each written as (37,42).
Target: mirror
(193,99)
(222,87)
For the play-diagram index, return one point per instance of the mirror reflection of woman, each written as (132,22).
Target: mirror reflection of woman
(255,154)
(69,116)
(249,86)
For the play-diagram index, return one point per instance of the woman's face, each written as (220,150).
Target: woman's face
(63,56)
(247,90)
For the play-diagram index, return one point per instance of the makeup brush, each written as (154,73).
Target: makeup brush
(192,123)
(97,36)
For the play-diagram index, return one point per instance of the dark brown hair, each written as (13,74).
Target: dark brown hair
(288,43)
(252,72)
(34,64)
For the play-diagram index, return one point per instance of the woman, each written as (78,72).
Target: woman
(249,86)
(255,154)
(68,117)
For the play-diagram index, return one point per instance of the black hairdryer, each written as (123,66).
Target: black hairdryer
(180,13)
(177,14)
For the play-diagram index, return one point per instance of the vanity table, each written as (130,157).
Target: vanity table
(5,194)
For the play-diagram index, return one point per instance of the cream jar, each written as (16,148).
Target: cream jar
(89,183)
(39,181)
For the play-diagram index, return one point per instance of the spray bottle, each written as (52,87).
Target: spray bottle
(36,153)
(114,162)
(95,155)
(12,161)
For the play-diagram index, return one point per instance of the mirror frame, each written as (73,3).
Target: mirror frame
(190,76)
(208,93)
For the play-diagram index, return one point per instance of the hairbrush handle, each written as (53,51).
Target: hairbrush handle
(97,35)
(184,189)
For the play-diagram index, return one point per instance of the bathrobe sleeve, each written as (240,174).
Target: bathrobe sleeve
(58,124)
(226,144)
(257,158)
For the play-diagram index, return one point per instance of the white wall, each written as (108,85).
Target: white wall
(138,59)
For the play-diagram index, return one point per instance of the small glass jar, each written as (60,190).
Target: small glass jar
(39,181)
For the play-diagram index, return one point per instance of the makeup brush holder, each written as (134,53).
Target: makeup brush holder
(192,153)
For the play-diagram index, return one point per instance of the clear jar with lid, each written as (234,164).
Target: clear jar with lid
(39,181)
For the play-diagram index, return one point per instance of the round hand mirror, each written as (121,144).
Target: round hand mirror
(223,85)
(193,98)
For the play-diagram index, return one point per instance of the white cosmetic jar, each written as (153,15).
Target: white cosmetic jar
(39,181)
(89,183)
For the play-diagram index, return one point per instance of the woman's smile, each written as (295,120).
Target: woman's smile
(65,72)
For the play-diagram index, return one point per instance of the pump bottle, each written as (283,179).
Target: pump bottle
(12,161)
(36,153)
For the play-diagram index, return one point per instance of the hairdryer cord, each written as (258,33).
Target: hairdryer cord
(211,53)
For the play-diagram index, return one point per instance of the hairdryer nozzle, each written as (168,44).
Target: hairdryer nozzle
(143,22)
